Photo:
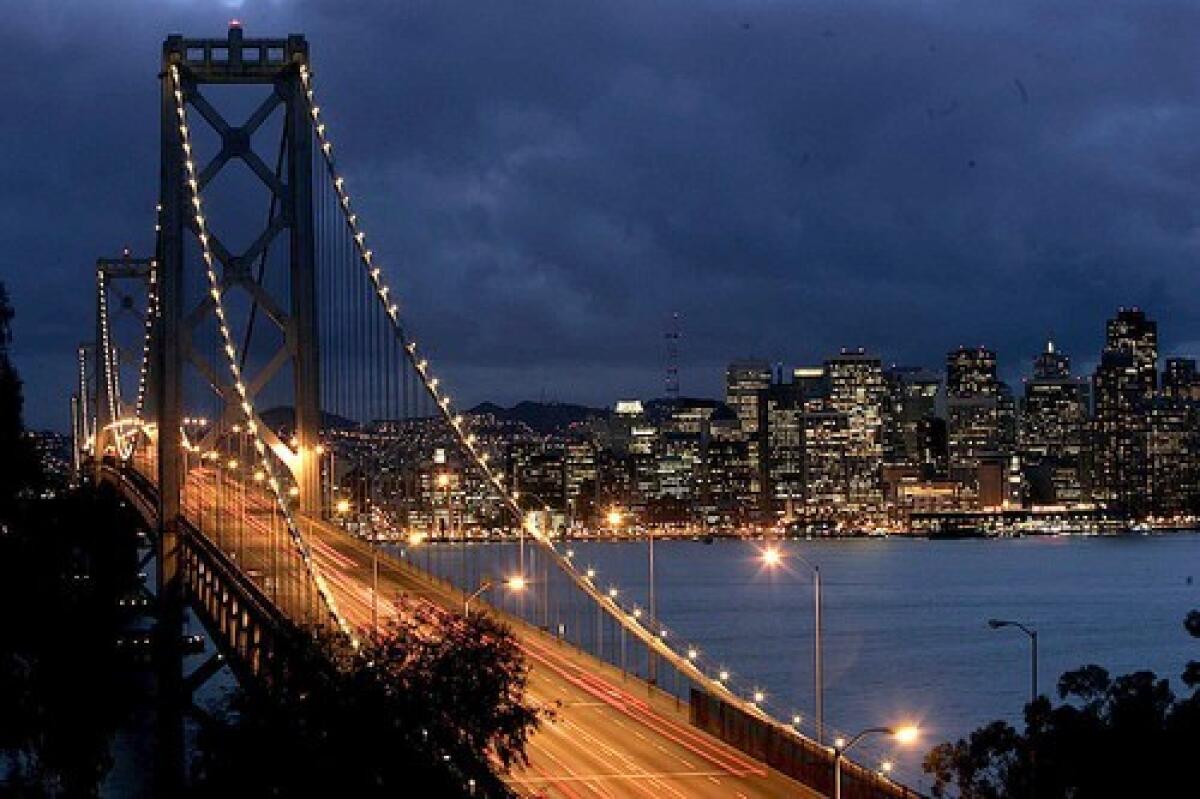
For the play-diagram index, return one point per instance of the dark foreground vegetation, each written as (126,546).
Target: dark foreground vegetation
(68,559)
(66,683)
(414,713)
(1127,736)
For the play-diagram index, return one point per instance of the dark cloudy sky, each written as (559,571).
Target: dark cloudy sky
(554,178)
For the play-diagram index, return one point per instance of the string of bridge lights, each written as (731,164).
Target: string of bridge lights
(112,379)
(688,660)
(235,371)
(142,427)
(88,441)
(151,317)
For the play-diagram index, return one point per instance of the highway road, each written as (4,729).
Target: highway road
(611,735)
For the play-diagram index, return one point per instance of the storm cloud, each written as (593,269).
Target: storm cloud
(550,180)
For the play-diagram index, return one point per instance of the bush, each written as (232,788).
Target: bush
(1128,736)
(436,706)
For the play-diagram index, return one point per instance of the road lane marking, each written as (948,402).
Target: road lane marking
(626,758)
(635,775)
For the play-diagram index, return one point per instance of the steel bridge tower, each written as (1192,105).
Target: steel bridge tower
(244,62)
(109,358)
(239,62)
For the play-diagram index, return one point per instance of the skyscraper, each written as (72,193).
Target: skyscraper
(1172,448)
(1051,364)
(973,412)
(1053,430)
(912,404)
(1124,386)
(783,432)
(1180,379)
(857,390)
(745,382)
(1131,332)
(971,373)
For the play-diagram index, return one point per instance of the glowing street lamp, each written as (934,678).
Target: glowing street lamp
(342,507)
(514,583)
(905,735)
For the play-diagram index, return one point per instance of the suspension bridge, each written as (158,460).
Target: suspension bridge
(254,391)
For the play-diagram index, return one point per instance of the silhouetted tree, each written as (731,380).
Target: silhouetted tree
(434,707)
(19,467)
(64,683)
(1128,736)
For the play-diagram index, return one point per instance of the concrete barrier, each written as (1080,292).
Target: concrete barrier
(786,751)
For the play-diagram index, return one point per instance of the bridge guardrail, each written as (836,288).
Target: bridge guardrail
(797,757)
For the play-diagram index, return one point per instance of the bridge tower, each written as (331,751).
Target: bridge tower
(228,69)
(108,356)
(238,61)
(83,405)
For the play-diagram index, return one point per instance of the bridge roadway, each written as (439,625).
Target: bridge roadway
(611,735)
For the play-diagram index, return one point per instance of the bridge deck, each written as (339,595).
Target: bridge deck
(612,735)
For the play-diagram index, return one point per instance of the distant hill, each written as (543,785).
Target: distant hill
(542,417)
(284,417)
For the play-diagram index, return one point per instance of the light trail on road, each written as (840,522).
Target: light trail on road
(603,740)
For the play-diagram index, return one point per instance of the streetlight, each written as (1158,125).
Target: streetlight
(905,735)
(514,583)
(996,624)
(772,557)
(443,482)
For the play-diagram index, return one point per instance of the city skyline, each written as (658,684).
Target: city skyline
(834,203)
(843,447)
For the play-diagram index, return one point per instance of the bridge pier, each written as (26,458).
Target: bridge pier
(170,755)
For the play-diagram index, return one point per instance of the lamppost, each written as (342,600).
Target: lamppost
(443,482)
(772,557)
(235,547)
(514,583)
(907,734)
(996,624)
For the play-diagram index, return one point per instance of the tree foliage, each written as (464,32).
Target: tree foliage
(19,468)
(64,683)
(1123,736)
(66,562)
(436,706)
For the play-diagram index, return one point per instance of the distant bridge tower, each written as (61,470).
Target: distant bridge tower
(109,356)
(83,405)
